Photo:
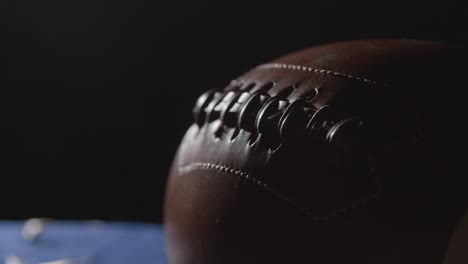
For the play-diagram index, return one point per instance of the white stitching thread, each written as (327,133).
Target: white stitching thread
(310,69)
(244,175)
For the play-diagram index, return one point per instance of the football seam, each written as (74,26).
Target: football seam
(316,70)
(184,169)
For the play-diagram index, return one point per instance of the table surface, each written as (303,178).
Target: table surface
(80,242)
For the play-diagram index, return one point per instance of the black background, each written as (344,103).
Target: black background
(96,95)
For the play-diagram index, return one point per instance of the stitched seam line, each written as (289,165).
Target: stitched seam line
(310,69)
(279,195)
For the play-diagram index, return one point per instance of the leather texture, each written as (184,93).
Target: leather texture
(340,153)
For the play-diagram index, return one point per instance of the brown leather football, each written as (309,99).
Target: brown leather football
(352,152)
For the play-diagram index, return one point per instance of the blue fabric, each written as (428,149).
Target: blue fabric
(84,243)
